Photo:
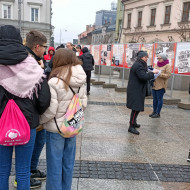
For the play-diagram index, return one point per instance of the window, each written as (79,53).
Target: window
(129,21)
(185,16)
(153,17)
(7,11)
(105,19)
(167,14)
(139,18)
(34,14)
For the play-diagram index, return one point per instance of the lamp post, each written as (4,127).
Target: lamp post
(19,14)
(61,35)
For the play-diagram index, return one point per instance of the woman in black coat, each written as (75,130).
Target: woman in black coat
(136,89)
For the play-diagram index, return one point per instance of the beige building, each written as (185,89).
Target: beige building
(148,21)
(33,14)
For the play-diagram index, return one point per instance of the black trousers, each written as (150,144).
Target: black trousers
(88,76)
(133,117)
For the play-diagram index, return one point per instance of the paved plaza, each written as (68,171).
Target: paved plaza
(110,158)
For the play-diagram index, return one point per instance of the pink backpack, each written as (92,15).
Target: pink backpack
(14,127)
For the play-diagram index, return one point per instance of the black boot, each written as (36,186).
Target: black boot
(137,125)
(156,115)
(133,130)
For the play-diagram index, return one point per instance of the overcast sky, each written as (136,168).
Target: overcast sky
(71,16)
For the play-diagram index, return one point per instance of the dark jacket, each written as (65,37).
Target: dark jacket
(136,89)
(87,59)
(31,108)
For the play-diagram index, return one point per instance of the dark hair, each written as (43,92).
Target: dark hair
(61,46)
(63,60)
(34,38)
(78,46)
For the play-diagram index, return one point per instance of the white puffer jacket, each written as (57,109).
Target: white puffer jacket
(60,98)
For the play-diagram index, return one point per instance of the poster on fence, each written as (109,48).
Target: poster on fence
(166,48)
(118,55)
(106,54)
(95,50)
(150,50)
(131,53)
(182,65)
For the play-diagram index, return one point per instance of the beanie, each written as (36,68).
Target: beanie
(141,54)
(163,56)
(10,32)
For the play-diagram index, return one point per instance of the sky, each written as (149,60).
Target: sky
(70,17)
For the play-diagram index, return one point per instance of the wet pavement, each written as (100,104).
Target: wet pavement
(108,157)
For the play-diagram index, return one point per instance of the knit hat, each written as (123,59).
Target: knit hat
(10,32)
(163,56)
(141,54)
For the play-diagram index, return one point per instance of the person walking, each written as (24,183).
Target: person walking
(60,152)
(136,89)
(36,46)
(160,84)
(22,79)
(88,63)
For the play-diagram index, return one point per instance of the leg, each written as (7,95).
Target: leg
(155,101)
(132,122)
(54,156)
(68,162)
(23,155)
(88,76)
(5,166)
(39,144)
(160,94)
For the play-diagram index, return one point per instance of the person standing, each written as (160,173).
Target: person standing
(160,84)
(88,63)
(60,151)
(136,89)
(79,51)
(36,46)
(22,79)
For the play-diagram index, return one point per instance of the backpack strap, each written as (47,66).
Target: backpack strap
(69,86)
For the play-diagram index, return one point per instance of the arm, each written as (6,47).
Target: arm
(44,96)
(50,113)
(83,97)
(167,73)
(92,60)
(142,74)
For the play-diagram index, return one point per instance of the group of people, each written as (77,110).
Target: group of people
(22,79)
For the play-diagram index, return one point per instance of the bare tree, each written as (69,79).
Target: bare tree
(184,32)
(137,36)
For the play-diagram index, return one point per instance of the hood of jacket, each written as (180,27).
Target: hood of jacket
(84,50)
(78,77)
(51,48)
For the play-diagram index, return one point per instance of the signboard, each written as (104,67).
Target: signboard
(182,65)
(131,54)
(118,55)
(95,50)
(106,54)
(168,49)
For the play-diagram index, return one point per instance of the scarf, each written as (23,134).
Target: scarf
(12,52)
(163,63)
(37,58)
(22,79)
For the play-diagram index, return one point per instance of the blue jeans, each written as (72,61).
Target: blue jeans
(39,144)
(158,100)
(23,155)
(60,155)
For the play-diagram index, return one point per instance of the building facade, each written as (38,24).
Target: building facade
(28,15)
(119,21)
(147,21)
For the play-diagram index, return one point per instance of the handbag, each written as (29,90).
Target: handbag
(148,88)
(74,117)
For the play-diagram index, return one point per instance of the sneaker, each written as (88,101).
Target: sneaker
(33,183)
(151,114)
(156,115)
(37,174)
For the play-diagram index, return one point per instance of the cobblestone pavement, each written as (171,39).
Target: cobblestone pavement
(110,158)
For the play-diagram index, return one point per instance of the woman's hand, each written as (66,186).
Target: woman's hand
(155,71)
